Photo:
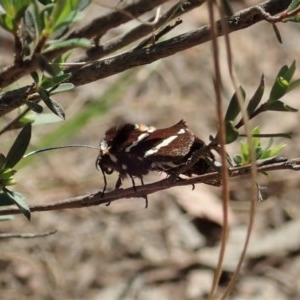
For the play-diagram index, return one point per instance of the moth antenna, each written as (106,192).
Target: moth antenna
(59,147)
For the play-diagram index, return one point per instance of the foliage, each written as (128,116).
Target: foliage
(261,153)
(282,85)
(7,171)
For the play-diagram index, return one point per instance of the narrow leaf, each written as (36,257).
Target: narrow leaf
(256,98)
(231,132)
(294,4)
(63,87)
(19,199)
(53,105)
(282,81)
(71,43)
(34,106)
(35,77)
(294,84)
(2,161)
(19,147)
(277,33)
(279,106)
(234,108)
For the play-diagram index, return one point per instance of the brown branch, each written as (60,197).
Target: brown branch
(138,32)
(147,189)
(14,99)
(99,26)
(238,21)
(125,61)
(95,28)
(138,57)
(26,235)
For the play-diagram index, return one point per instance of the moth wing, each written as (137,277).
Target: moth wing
(167,144)
(122,137)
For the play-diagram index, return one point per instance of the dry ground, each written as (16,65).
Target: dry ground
(168,251)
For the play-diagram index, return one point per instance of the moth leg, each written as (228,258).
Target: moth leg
(118,184)
(145,197)
(105,183)
(181,179)
(133,183)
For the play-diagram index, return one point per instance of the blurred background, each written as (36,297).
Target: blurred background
(170,250)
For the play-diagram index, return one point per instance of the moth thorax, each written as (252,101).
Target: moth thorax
(143,127)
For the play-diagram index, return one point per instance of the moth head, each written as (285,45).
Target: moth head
(102,159)
(104,148)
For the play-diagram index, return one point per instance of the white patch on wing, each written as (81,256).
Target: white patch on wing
(181,131)
(143,127)
(140,138)
(164,143)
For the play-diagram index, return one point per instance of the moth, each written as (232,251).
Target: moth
(135,149)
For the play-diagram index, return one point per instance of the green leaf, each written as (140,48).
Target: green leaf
(234,108)
(294,84)
(277,33)
(231,132)
(282,81)
(279,106)
(34,106)
(53,105)
(53,82)
(64,14)
(294,4)
(5,200)
(256,98)
(11,13)
(2,161)
(71,43)
(45,66)
(19,147)
(47,118)
(295,19)
(63,87)
(35,77)
(255,132)
(269,153)
(237,158)
(34,21)
(18,199)
(245,152)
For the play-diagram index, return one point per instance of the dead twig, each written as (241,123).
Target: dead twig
(147,189)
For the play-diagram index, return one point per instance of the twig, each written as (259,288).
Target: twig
(127,60)
(138,32)
(147,189)
(26,235)
(119,63)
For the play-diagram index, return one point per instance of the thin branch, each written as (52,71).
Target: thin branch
(138,32)
(15,98)
(26,235)
(96,27)
(119,63)
(147,189)
(99,26)
(127,60)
